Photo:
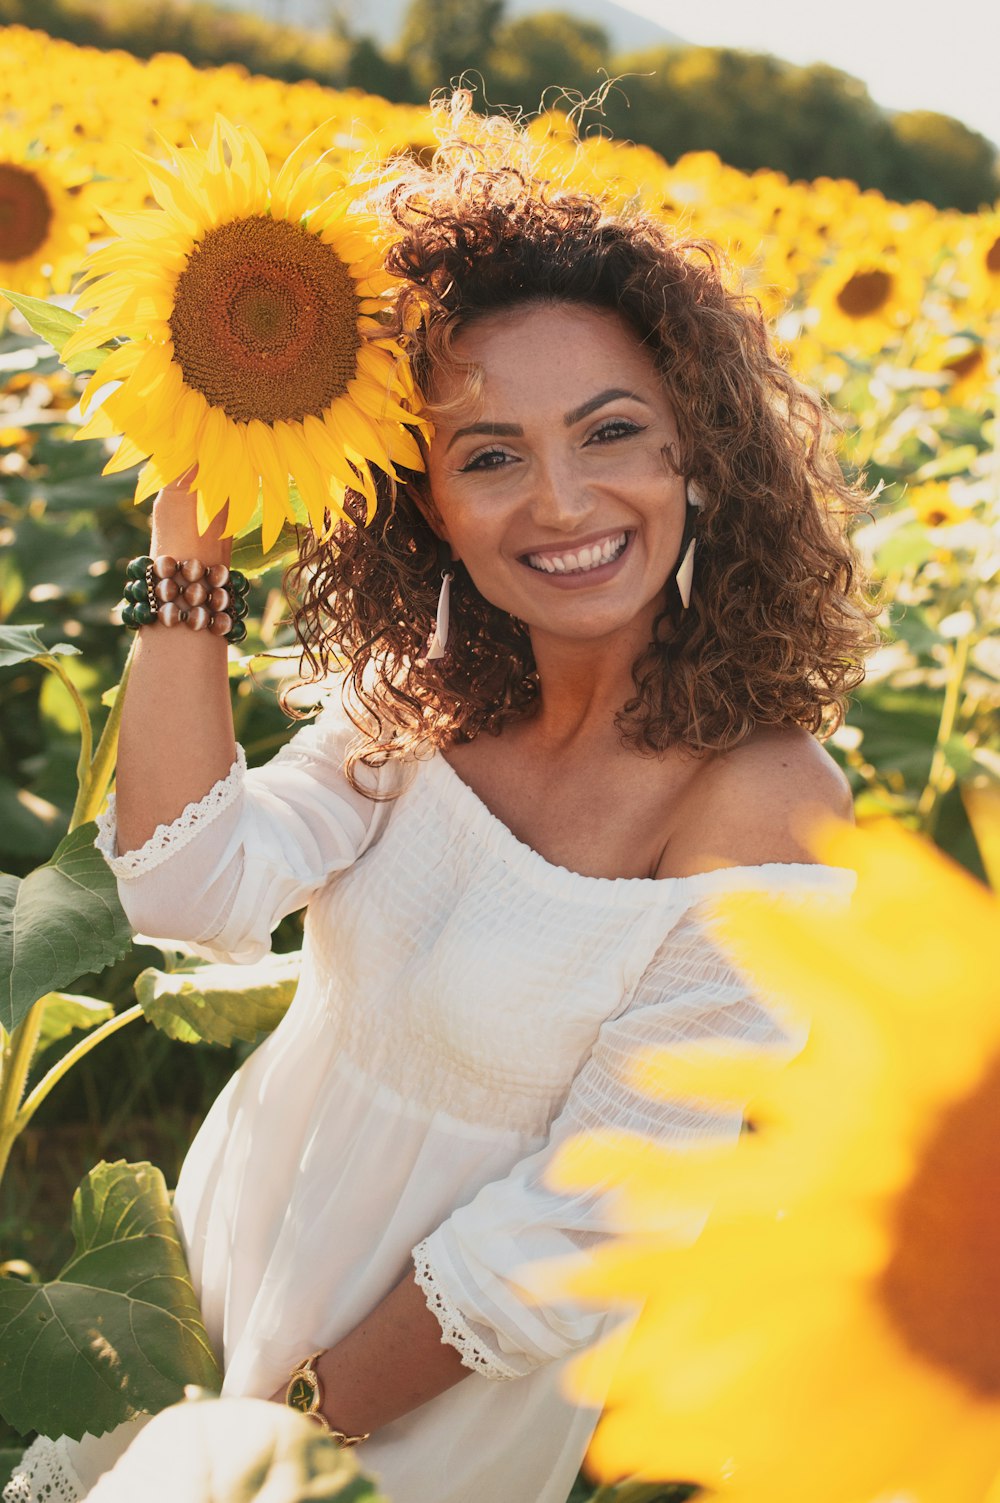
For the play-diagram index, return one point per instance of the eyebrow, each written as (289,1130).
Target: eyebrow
(514,430)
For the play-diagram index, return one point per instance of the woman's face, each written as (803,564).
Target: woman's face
(552,488)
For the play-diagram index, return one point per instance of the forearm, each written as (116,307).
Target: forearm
(391,1363)
(177,727)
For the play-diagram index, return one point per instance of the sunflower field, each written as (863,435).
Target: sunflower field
(892,310)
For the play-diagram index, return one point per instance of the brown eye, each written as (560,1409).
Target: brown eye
(614,428)
(486,459)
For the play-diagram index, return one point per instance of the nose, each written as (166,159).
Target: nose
(560,498)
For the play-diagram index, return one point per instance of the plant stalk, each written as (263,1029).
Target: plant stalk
(101,767)
(938,779)
(18,1051)
(86,735)
(69,1059)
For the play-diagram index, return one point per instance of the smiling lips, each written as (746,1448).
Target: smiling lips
(581,559)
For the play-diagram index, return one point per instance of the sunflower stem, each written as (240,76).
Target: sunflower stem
(69,1059)
(15,1062)
(53,665)
(940,777)
(101,769)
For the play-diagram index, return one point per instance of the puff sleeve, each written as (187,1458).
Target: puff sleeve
(475,1269)
(255,848)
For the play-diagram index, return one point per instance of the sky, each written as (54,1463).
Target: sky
(911,56)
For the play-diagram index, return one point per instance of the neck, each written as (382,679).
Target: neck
(584,684)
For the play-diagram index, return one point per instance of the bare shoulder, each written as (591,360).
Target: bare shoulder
(755,804)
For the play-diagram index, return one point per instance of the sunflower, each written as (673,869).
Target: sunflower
(980,265)
(251,311)
(865,300)
(835,1333)
(934,504)
(43,217)
(963,361)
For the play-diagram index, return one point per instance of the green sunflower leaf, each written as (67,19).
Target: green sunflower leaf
(22,644)
(65,1013)
(48,320)
(219,1004)
(119,1332)
(55,325)
(234,1451)
(61,921)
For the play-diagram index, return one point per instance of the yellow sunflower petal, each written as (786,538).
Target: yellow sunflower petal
(125,456)
(98,425)
(301,465)
(982,804)
(119,364)
(291,169)
(268,464)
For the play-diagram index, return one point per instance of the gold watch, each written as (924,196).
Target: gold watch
(305,1394)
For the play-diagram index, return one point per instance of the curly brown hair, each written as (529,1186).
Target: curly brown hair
(781,619)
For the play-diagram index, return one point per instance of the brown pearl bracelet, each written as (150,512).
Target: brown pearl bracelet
(186,592)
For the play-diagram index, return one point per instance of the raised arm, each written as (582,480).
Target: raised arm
(177,723)
(205,852)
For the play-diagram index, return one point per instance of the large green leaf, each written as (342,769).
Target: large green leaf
(62,920)
(219,1004)
(119,1332)
(233,1451)
(65,1012)
(22,644)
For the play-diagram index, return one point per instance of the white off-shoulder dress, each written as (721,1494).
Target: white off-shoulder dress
(464,1007)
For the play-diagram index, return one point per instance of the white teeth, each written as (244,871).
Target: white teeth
(582,559)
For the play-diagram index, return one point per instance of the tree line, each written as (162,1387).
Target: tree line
(752,109)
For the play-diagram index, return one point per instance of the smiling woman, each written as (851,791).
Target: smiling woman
(586,650)
(613,368)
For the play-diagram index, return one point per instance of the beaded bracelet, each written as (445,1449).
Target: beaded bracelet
(186,592)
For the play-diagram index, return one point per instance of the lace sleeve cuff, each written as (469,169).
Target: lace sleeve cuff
(44,1472)
(167,839)
(455,1329)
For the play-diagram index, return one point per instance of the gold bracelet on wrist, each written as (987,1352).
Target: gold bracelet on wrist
(305,1394)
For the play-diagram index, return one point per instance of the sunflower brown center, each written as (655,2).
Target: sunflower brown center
(965,365)
(941,1289)
(864,293)
(265,321)
(25,213)
(993,258)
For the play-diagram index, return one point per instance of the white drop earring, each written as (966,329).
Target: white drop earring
(438,644)
(685,575)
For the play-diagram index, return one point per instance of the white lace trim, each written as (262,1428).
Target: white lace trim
(455,1329)
(167,839)
(44,1474)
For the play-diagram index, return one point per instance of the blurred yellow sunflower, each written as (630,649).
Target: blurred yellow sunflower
(934,504)
(964,361)
(980,266)
(835,1333)
(43,217)
(252,310)
(864,301)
